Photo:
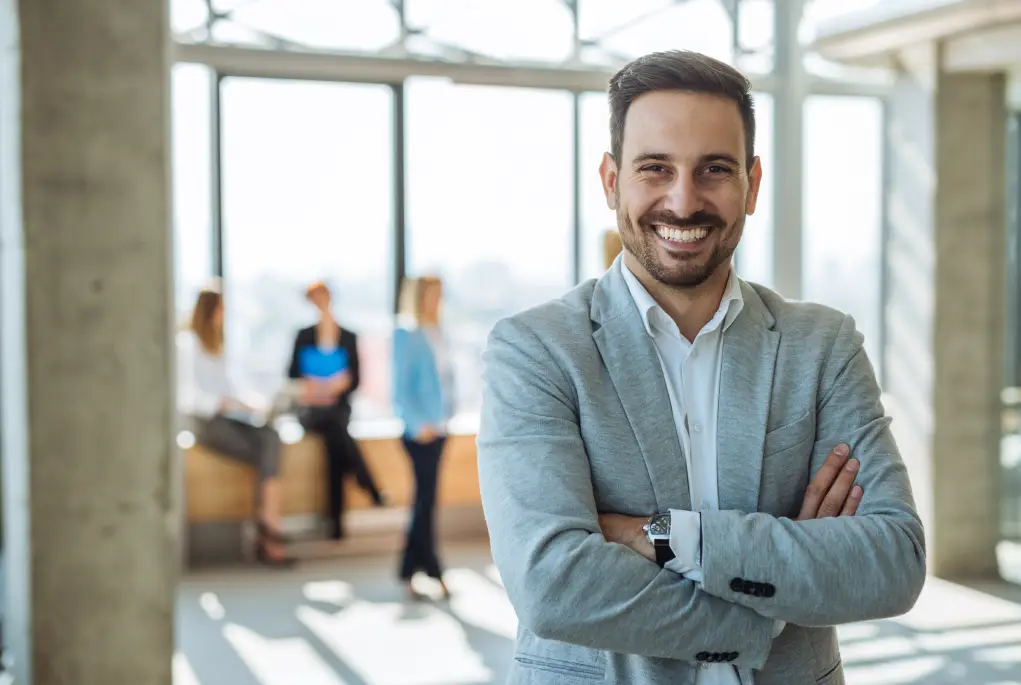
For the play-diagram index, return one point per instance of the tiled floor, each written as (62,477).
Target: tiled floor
(344,623)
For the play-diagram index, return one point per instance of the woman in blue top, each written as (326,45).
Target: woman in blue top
(423,399)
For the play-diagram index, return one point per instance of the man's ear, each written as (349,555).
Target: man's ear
(754,183)
(608,174)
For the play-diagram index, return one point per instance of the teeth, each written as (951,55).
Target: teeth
(682,235)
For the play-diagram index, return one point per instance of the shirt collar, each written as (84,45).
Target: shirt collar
(655,318)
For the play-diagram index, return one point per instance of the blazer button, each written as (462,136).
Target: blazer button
(702,656)
(768,590)
(732,656)
(714,658)
(758,590)
(737,585)
(749,587)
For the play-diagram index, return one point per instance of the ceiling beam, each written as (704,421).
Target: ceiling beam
(863,42)
(323,66)
(997,48)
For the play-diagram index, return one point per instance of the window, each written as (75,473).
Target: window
(501,29)
(367,25)
(192,201)
(633,28)
(596,217)
(308,194)
(489,206)
(755,253)
(842,258)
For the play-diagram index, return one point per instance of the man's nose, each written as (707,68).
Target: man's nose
(683,197)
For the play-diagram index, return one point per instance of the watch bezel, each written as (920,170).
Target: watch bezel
(657,529)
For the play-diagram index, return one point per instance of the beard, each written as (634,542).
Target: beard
(684,272)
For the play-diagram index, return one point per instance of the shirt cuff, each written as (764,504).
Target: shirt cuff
(685,541)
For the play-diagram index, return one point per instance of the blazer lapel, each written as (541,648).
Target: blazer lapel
(746,385)
(634,367)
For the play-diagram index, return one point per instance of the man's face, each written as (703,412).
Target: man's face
(681,189)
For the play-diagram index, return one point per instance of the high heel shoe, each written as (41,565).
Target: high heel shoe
(267,537)
(266,559)
(270,534)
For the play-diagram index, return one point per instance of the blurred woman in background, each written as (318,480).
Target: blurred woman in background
(423,399)
(225,424)
(325,359)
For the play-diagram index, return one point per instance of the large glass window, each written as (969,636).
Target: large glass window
(308,195)
(192,196)
(366,25)
(596,217)
(636,27)
(842,257)
(490,197)
(755,254)
(503,29)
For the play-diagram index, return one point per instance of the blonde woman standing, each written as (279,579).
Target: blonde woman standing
(423,399)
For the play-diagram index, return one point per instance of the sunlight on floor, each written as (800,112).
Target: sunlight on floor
(280,662)
(348,624)
(395,644)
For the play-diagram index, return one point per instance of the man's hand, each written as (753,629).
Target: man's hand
(627,531)
(831,493)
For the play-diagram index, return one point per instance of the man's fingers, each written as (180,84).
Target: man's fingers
(853,500)
(823,481)
(839,492)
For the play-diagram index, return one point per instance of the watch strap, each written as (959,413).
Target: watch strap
(664,553)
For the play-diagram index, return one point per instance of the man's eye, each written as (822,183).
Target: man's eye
(654,168)
(717,169)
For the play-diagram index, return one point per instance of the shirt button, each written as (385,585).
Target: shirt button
(697,427)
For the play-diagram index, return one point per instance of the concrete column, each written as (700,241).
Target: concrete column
(944,348)
(87,364)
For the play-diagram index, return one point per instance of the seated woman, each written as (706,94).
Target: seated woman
(325,358)
(225,424)
(423,399)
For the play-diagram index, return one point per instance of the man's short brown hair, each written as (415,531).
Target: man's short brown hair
(681,70)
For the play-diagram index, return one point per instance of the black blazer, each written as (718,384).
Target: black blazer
(349,341)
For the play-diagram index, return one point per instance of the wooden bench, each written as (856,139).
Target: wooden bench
(220,494)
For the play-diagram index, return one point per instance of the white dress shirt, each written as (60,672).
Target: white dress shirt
(692,372)
(202,383)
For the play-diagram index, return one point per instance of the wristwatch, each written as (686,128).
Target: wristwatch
(658,531)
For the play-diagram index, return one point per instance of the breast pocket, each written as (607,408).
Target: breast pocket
(787,456)
(790,435)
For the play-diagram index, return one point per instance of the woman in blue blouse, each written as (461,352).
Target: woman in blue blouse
(423,399)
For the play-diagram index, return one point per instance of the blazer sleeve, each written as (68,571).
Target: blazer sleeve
(565,581)
(833,570)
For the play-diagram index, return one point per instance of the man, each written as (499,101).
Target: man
(671,396)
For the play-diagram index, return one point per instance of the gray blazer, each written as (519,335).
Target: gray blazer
(576,420)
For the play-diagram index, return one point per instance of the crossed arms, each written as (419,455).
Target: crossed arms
(568,583)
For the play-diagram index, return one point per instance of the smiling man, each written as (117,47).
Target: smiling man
(688,479)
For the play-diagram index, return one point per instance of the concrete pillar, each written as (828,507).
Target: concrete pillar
(944,317)
(86,322)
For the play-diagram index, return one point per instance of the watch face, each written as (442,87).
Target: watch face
(659,525)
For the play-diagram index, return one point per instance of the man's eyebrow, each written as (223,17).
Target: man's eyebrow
(651,157)
(721,157)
